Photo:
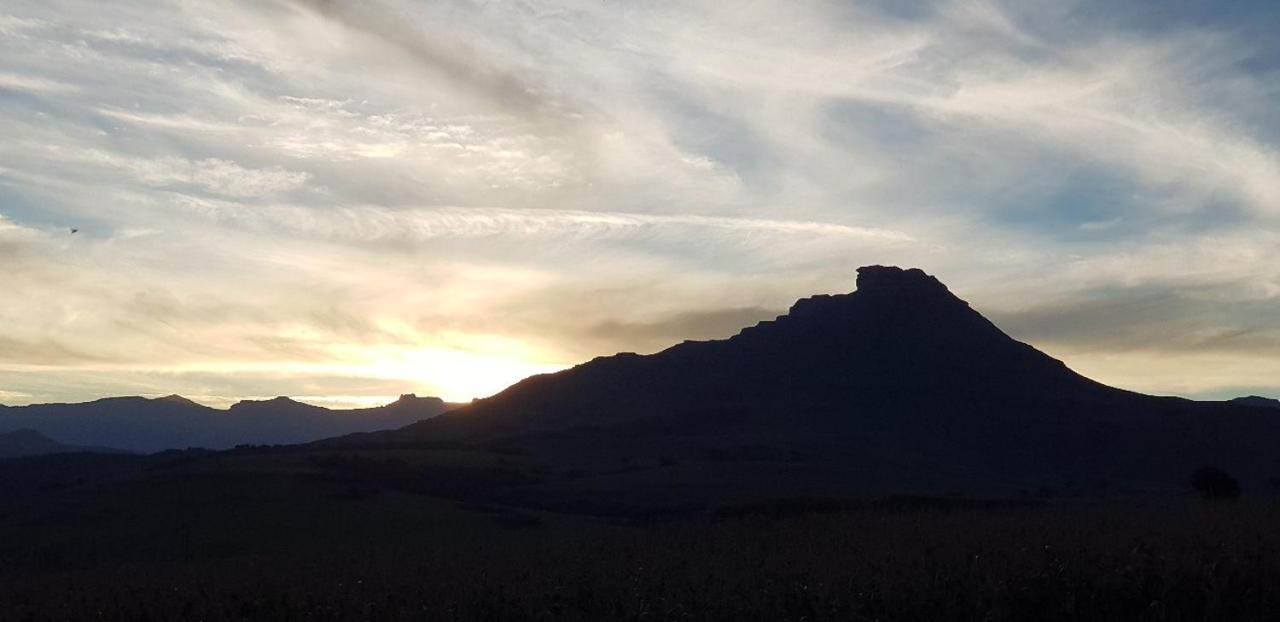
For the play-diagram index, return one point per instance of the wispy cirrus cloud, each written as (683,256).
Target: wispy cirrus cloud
(392,194)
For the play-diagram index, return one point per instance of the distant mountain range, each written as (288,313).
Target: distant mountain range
(145,425)
(897,387)
(23,443)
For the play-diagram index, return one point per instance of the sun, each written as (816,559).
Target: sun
(455,372)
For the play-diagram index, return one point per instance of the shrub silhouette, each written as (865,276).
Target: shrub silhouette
(1214,484)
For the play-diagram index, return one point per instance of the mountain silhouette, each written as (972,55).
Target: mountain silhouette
(22,443)
(153,424)
(898,386)
(901,337)
(1255,401)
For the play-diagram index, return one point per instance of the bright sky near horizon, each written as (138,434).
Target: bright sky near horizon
(350,200)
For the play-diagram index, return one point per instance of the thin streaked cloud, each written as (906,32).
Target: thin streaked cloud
(359,199)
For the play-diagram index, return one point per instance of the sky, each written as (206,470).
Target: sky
(343,201)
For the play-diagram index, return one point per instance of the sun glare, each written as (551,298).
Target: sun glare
(456,375)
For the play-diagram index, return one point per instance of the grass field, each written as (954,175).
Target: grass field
(252,538)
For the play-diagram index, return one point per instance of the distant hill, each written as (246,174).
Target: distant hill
(154,424)
(1255,401)
(897,387)
(22,443)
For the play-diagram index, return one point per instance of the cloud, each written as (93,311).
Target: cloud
(662,333)
(13,238)
(386,193)
(375,224)
(16,82)
(43,352)
(461,64)
(211,175)
(1098,101)
(1152,319)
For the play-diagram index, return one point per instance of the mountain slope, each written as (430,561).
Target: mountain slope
(22,443)
(899,386)
(145,425)
(902,336)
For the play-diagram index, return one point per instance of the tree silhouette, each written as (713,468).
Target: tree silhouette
(1214,484)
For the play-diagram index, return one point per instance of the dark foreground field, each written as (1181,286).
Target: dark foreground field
(249,543)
